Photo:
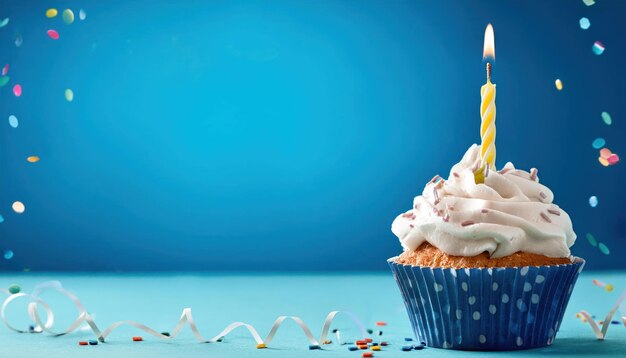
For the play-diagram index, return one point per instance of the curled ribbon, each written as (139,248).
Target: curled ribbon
(185,318)
(601,333)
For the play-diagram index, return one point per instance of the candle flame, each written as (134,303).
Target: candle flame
(489,49)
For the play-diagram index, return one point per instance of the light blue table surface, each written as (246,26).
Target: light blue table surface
(218,299)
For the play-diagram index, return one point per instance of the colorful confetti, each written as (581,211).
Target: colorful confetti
(17,90)
(603,161)
(8,254)
(558,84)
(1,219)
(584,23)
(607,157)
(598,143)
(589,2)
(33,159)
(606,118)
(14,288)
(605,153)
(4,22)
(82,15)
(592,240)
(5,69)
(19,40)
(598,48)
(68,16)
(13,122)
(18,207)
(593,201)
(53,34)
(69,95)
(613,159)
(50,13)
(603,249)
(607,287)
(4,80)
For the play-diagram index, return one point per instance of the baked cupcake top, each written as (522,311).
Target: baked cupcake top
(511,212)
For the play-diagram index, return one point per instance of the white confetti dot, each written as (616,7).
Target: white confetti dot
(593,201)
(527,287)
(464,286)
(534,298)
(459,314)
(494,286)
(482,338)
(471,300)
(489,271)
(476,316)
(519,341)
(493,309)
(540,279)
(505,298)
(18,207)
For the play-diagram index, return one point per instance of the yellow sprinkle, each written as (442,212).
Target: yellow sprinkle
(50,13)
(33,159)
(608,288)
(328,341)
(261,346)
(375,348)
(603,161)
(578,315)
(558,84)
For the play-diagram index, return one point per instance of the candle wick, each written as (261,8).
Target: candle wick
(488,72)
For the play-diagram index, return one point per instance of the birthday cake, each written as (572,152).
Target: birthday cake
(486,266)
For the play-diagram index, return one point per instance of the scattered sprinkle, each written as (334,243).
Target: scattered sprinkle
(603,249)
(605,153)
(69,95)
(608,288)
(533,174)
(83,343)
(606,117)
(13,122)
(18,207)
(17,90)
(18,40)
(14,288)
(137,339)
(555,212)
(467,223)
(589,2)
(542,195)
(5,69)
(598,48)
(82,15)
(558,84)
(93,342)
(68,16)
(456,175)
(52,12)
(593,201)
(381,323)
(584,23)
(613,159)
(592,240)
(4,80)
(261,346)
(546,217)
(53,34)
(446,217)
(4,22)
(313,346)
(33,159)
(603,161)
(8,254)
(598,143)
(408,339)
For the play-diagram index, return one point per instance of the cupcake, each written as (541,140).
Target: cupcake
(485,266)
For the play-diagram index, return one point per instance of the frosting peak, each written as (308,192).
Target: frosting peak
(510,212)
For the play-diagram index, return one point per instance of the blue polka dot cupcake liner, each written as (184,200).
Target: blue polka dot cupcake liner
(506,308)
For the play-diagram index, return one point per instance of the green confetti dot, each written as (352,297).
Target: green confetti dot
(592,240)
(4,80)
(606,117)
(14,288)
(603,249)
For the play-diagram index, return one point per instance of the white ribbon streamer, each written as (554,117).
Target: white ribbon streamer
(601,333)
(186,318)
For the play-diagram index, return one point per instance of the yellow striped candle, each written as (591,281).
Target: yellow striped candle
(487,113)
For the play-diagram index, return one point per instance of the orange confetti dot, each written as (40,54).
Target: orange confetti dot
(605,153)
(33,159)
(603,161)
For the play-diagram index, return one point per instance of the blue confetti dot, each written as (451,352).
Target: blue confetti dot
(8,254)
(593,201)
(598,143)
(1,219)
(584,23)
(13,122)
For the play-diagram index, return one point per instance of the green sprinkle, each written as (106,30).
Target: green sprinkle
(607,118)
(604,249)
(14,288)
(592,240)
(4,80)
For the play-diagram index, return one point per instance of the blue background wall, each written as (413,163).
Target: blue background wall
(264,135)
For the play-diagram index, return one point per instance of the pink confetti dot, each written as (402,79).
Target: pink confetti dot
(613,159)
(5,70)
(17,90)
(53,34)
(605,153)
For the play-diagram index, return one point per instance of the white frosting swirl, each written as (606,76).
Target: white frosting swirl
(510,212)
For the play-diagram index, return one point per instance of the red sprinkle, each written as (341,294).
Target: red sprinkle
(467,223)
(369,340)
(82,343)
(545,217)
(381,323)
(555,212)
(542,195)
(137,339)
(367,355)
(360,342)
(455,174)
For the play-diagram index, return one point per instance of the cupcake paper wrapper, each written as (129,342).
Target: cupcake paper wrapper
(486,308)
